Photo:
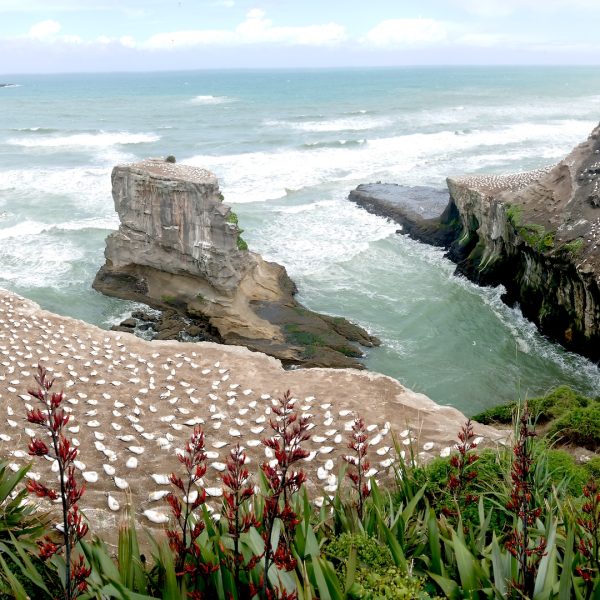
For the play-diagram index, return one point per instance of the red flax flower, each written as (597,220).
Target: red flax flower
(588,545)
(358,442)
(237,492)
(290,430)
(183,538)
(520,542)
(52,419)
(462,473)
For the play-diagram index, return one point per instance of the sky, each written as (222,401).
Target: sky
(46,36)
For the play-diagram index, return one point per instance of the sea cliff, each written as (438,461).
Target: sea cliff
(536,233)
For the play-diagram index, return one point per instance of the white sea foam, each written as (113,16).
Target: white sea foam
(417,158)
(305,241)
(91,140)
(28,229)
(110,223)
(89,186)
(38,261)
(209,100)
(24,230)
(340,124)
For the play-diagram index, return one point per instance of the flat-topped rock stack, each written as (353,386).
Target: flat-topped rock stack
(134,403)
(178,247)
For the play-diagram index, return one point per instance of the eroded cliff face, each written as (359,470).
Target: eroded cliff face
(178,246)
(538,234)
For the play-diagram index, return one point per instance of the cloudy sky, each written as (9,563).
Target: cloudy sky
(40,36)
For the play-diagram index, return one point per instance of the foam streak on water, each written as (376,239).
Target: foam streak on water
(287,148)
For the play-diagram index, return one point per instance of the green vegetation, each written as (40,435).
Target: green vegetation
(513,523)
(535,235)
(233,219)
(168,299)
(573,248)
(350,351)
(514,214)
(579,426)
(170,159)
(299,337)
(571,417)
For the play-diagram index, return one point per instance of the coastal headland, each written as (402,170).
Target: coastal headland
(537,233)
(179,248)
(133,403)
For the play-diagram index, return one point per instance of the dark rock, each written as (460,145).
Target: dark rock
(423,212)
(193,331)
(171,323)
(121,328)
(168,334)
(142,315)
(129,323)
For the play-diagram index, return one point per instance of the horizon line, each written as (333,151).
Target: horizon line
(306,68)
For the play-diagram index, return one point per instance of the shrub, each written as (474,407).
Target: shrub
(542,409)
(388,584)
(170,159)
(369,552)
(580,426)
(562,468)
(556,403)
(592,468)
(502,414)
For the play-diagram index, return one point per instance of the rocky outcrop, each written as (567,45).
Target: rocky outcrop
(179,247)
(417,209)
(536,233)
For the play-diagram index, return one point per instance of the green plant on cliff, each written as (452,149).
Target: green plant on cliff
(573,248)
(537,236)
(514,214)
(234,220)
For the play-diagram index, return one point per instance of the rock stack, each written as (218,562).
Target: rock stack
(178,247)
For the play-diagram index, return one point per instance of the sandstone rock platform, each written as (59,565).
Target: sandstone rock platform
(133,404)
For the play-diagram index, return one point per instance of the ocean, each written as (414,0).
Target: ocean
(288,146)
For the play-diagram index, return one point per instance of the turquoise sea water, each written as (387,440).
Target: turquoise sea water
(287,147)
